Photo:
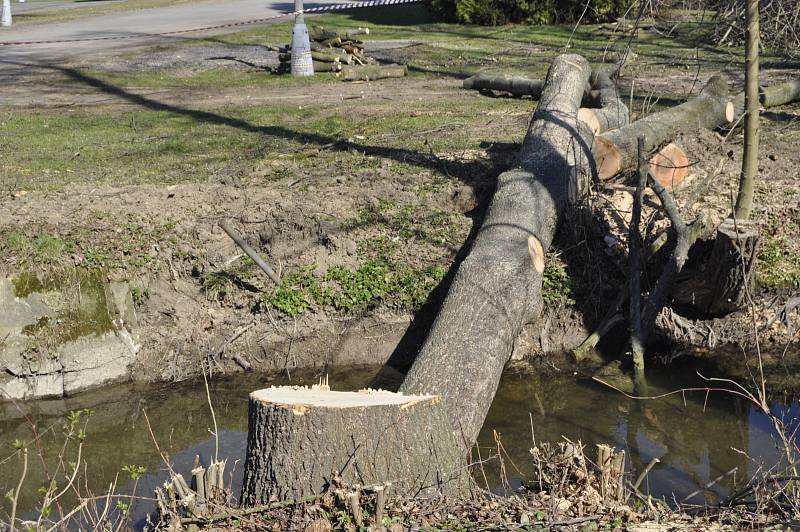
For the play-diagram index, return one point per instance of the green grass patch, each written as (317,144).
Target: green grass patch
(556,283)
(348,290)
(124,247)
(777,266)
(47,149)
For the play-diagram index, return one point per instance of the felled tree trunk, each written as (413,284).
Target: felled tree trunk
(299,439)
(612,113)
(369,73)
(616,150)
(772,96)
(520,86)
(497,288)
(516,85)
(718,282)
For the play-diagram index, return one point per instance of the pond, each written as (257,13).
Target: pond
(696,437)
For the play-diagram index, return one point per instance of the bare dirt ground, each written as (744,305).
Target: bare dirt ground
(397,183)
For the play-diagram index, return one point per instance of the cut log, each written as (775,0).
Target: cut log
(520,86)
(780,94)
(354,32)
(320,34)
(669,166)
(497,288)
(772,96)
(615,150)
(516,85)
(612,113)
(718,282)
(299,439)
(353,50)
(370,73)
(319,66)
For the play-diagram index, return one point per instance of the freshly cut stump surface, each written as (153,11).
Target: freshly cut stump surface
(299,439)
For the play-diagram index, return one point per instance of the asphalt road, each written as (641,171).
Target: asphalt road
(140,25)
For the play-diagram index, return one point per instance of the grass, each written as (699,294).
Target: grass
(777,266)
(350,290)
(125,247)
(46,149)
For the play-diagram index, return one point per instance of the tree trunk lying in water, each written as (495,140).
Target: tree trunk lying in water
(497,289)
(301,440)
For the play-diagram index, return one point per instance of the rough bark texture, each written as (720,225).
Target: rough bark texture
(295,449)
(780,94)
(615,150)
(497,288)
(368,73)
(612,113)
(717,282)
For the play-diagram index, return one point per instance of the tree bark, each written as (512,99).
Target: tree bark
(497,288)
(772,96)
(616,151)
(300,439)
(747,179)
(520,86)
(718,283)
(612,113)
(780,94)
(516,85)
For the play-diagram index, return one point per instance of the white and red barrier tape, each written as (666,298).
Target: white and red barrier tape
(321,9)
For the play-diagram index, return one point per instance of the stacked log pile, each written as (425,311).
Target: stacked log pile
(342,52)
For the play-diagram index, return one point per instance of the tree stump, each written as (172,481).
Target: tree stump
(301,438)
(718,282)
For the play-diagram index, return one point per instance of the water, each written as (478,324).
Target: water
(697,438)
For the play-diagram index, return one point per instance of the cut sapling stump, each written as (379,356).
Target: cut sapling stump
(301,439)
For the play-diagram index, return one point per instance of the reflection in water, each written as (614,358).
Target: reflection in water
(696,438)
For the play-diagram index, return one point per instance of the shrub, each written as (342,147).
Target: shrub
(497,12)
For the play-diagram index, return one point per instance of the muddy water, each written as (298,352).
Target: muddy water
(697,438)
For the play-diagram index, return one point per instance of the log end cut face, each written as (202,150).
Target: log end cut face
(589,117)
(670,166)
(301,399)
(609,158)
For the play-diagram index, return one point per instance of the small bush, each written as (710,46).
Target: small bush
(497,12)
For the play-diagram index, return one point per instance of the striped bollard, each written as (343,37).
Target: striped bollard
(302,65)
